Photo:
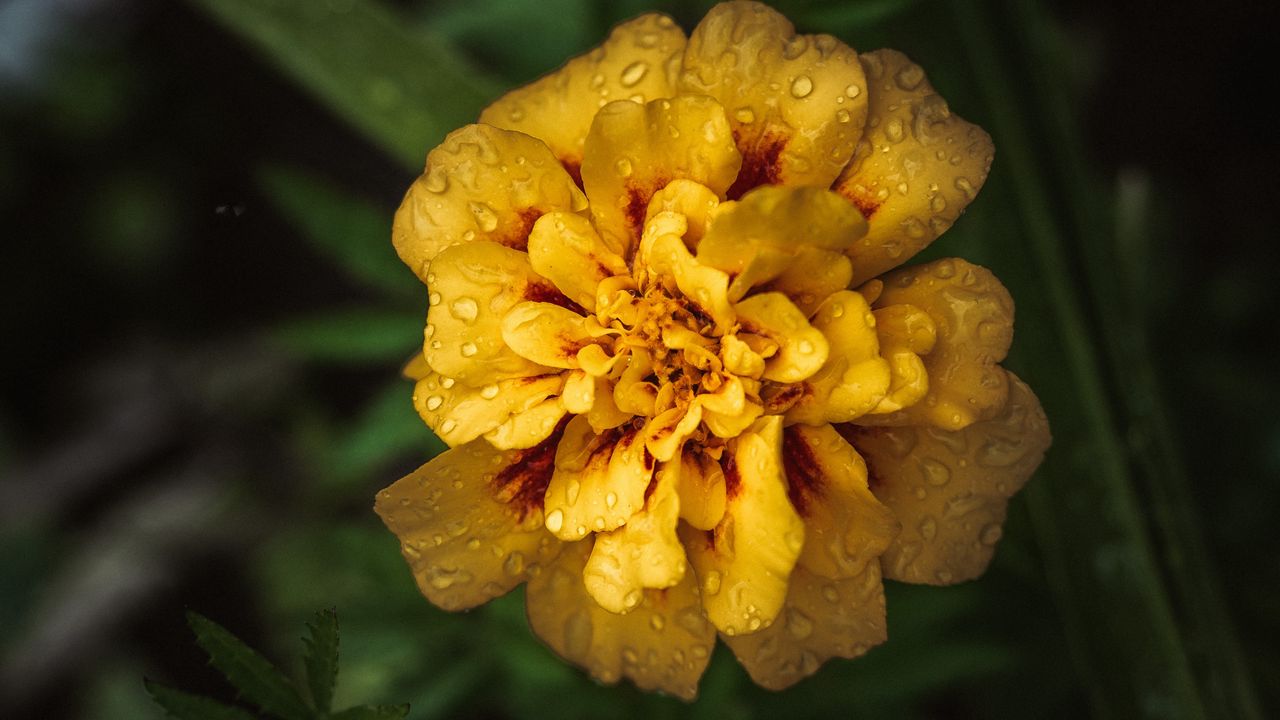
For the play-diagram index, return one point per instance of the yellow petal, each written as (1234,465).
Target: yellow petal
(744,563)
(546,334)
(694,201)
(950,489)
(802,349)
(906,332)
(473,286)
(528,428)
(470,521)
(797,103)
(758,238)
(481,183)
(812,276)
(702,491)
(663,644)
(822,619)
(644,553)
(565,249)
(460,413)
(845,526)
(915,170)
(599,481)
(973,317)
(665,253)
(854,378)
(634,150)
(637,62)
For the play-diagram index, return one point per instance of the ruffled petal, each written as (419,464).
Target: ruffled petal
(702,491)
(459,413)
(637,62)
(481,183)
(599,481)
(565,249)
(950,489)
(743,564)
(473,287)
(635,150)
(915,170)
(470,521)
(663,644)
(906,332)
(797,103)
(802,348)
(845,526)
(822,619)
(644,553)
(758,238)
(855,378)
(546,334)
(972,315)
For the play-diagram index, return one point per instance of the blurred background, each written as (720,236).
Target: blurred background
(205,322)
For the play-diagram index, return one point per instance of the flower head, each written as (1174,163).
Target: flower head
(685,390)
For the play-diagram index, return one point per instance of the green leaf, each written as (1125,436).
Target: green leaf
(253,675)
(386,428)
(402,88)
(353,234)
(321,658)
(185,706)
(355,336)
(373,712)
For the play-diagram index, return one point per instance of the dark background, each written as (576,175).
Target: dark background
(204,320)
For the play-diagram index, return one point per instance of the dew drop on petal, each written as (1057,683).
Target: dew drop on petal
(801,86)
(555,520)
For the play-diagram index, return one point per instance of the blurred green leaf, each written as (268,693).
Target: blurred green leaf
(321,658)
(373,712)
(403,89)
(353,234)
(352,336)
(185,706)
(386,428)
(253,675)
(551,32)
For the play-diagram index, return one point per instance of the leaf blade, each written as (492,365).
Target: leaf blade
(373,712)
(255,677)
(187,706)
(321,658)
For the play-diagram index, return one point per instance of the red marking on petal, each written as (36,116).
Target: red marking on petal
(537,292)
(573,166)
(760,164)
(525,480)
(804,475)
(732,478)
(852,434)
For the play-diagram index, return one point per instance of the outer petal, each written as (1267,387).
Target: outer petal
(634,150)
(481,183)
(701,490)
(638,62)
(854,378)
(822,619)
(470,522)
(797,103)
(973,317)
(565,249)
(473,287)
(950,489)
(845,526)
(743,565)
(915,170)
(644,553)
(460,413)
(545,333)
(663,644)
(599,481)
(802,349)
(758,238)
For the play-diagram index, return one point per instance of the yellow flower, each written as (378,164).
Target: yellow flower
(682,395)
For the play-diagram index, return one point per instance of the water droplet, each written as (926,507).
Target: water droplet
(631,599)
(991,534)
(611,499)
(623,167)
(468,349)
(430,330)
(829,592)
(894,131)
(938,204)
(909,77)
(434,402)
(744,115)
(634,73)
(473,543)
(928,528)
(933,472)
(966,187)
(843,116)
(799,624)
(447,426)
(944,576)
(555,520)
(447,383)
(464,309)
(437,181)
(711,584)
(516,114)
(443,579)
(514,564)
(657,622)
(433,298)
(853,91)
(571,491)
(795,47)
(801,87)
(805,347)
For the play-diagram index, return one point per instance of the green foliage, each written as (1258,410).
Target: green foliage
(259,681)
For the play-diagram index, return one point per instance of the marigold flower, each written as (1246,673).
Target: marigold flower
(685,390)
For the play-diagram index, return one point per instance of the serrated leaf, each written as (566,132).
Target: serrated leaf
(373,712)
(258,681)
(352,336)
(353,234)
(186,706)
(402,88)
(321,658)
